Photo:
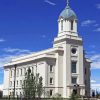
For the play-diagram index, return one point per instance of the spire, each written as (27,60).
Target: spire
(67,3)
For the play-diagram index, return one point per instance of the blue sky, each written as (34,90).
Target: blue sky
(30,25)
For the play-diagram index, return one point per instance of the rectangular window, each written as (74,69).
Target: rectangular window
(71,25)
(73,67)
(17,83)
(11,73)
(51,68)
(10,83)
(20,93)
(21,72)
(20,82)
(24,82)
(51,92)
(51,80)
(24,71)
(17,93)
(62,25)
(74,80)
(17,72)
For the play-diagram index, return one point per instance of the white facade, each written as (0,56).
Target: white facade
(63,67)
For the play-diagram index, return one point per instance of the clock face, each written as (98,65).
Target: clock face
(74,50)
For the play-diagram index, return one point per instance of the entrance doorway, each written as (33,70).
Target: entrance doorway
(75,91)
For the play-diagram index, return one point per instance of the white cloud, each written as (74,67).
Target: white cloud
(98,6)
(1,86)
(95,65)
(89,54)
(6,58)
(95,61)
(95,57)
(88,22)
(49,2)
(2,40)
(13,50)
(93,81)
(12,53)
(96,25)
(95,86)
(97,30)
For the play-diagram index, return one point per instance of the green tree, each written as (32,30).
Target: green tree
(32,86)
(39,87)
(97,94)
(57,96)
(73,96)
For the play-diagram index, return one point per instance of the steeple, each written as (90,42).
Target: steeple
(67,21)
(68,13)
(67,3)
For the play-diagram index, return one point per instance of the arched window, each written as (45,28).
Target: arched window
(62,25)
(71,25)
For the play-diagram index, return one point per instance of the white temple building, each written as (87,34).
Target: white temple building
(64,67)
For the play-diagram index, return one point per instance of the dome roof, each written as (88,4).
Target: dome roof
(68,14)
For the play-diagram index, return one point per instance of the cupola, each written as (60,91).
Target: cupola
(67,22)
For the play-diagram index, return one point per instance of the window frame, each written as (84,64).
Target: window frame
(51,68)
(17,74)
(72,24)
(24,71)
(62,25)
(11,73)
(51,92)
(10,83)
(20,82)
(51,80)
(17,83)
(74,63)
(73,81)
(21,72)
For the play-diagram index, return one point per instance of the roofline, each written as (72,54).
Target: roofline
(35,56)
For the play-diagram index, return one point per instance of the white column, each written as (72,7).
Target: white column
(66,69)
(6,82)
(56,72)
(80,65)
(64,74)
(75,26)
